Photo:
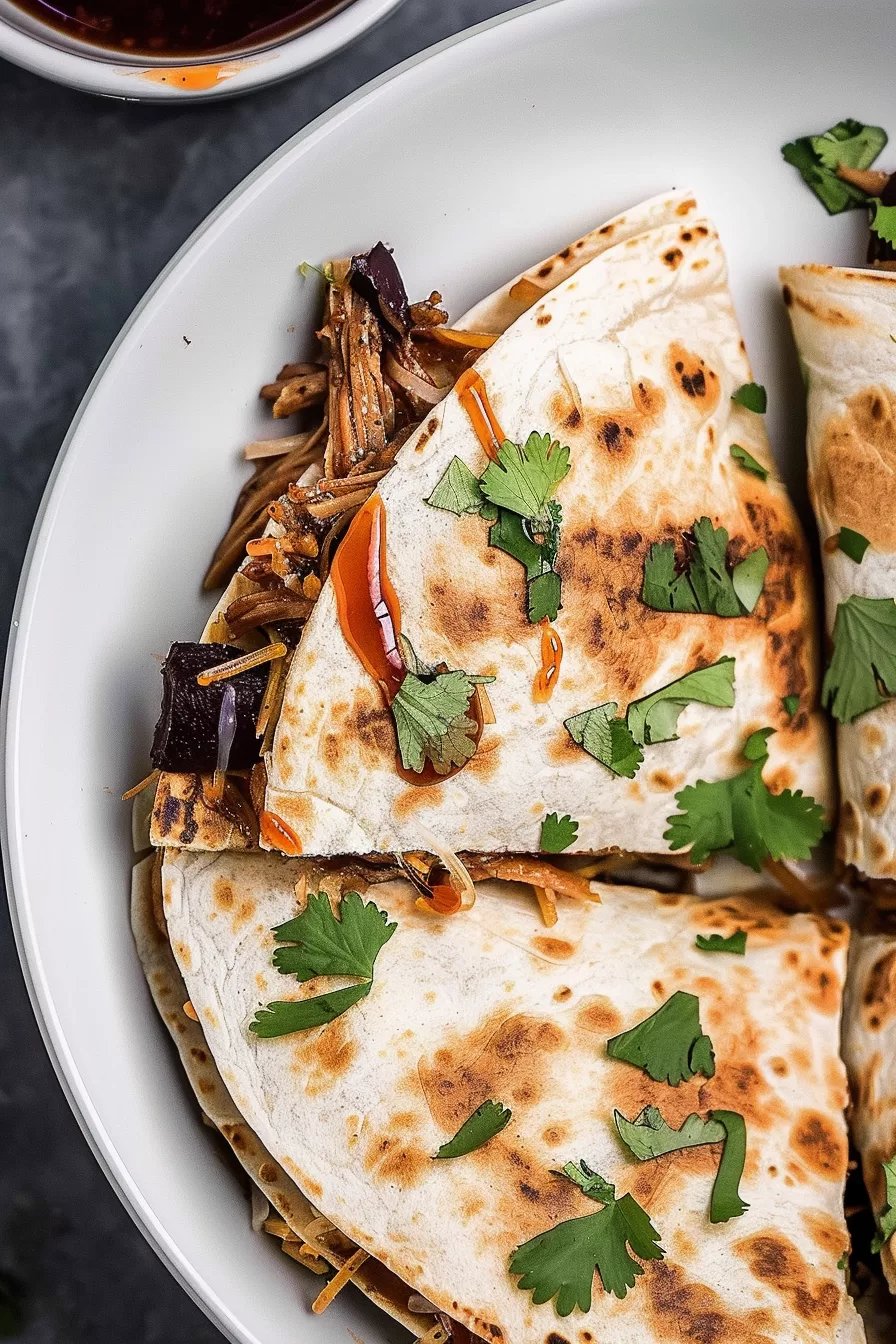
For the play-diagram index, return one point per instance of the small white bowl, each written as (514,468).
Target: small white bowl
(46,51)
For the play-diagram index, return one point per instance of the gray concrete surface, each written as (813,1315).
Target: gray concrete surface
(95,196)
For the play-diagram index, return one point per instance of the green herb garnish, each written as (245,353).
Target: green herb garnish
(654,718)
(843,1262)
(884,221)
(525,476)
(726,1202)
(325,272)
(817,157)
(714,942)
(431,716)
(791,704)
(741,817)
(561,1262)
(485,1122)
(706,585)
(458,490)
(670,1045)
(320,944)
(748,462)
(886,1222)
(557,833)
(853,544)
(649,1136)
(864,657)
(753,396)
(606,738)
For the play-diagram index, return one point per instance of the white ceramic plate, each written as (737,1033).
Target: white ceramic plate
(473,162)
(45,51)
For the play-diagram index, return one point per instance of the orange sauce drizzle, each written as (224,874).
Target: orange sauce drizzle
(276,833)
(368,636)
(548,674)
(473,397)
(445,900)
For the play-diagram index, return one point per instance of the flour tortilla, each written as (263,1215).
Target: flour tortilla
(869,1050)
(632,362)
(844,321)
(490,1004)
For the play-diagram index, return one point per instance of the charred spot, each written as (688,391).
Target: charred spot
(198,1054)
(631,541)
(702,231)
(686,235)
(545,270)
(566,253)
(876,797)
(544,318)
(529,1192)
(673,258)
(776,1261)
(574,419)
(554,1338)
(820,1146)
(681,1308)
(787,296)
(169,814)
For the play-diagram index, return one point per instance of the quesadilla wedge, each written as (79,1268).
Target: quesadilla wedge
(675,1148)
(582,601)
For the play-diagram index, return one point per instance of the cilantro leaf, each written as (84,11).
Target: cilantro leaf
(561,1262)
(791,704)
(740,816)
(748,462)
(589,1182)
(282,1018)
(843,1262)
(706,586)
(649,1136)
(557,833)
(864,657)
(430,713)
(606,738)
(525,476)
(485,1122)
(321,944)
(458,490)
(735,943)
(816,157)
(670,1045)
(884,222)
(325,272)
(534,545)
(726,1202)
(753,396)
(655,717)
(544,597)
(852,544)
(509,533)
(886,1222)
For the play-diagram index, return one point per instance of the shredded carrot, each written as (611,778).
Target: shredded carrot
(191,1011)
(473,340)
(338,1281)
(305,1255)
(520,868)
(243,664)
(551,657)
(138,788)
(546,905)
(269,699)
(473,397)
(306,546)
(278,834)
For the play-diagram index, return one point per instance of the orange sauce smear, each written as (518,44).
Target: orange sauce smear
(473,397)
(276,833)
(548,674)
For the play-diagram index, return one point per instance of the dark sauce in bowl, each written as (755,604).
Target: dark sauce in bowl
(180,28)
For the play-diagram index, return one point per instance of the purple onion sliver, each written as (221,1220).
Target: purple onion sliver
(226,727)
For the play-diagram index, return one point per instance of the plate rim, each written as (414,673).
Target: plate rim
(40,998)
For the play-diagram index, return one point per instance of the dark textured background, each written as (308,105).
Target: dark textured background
(95,196)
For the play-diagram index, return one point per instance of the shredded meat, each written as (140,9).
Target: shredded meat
(523,868)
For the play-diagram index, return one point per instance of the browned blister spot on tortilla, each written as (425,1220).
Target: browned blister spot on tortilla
(876,797)
(223,895)
(369,726)
(685,207)
(822,312)
(598,1014)
(777,1262)
(426,434)
(558,949)
(739,1086)
(681,1308)
(415,797)
(464,615)
(855,481)
(692,376)
(555,1134)
(508,1060)
(395,1162)
(826,1231)
(674,257)
(820,1144)
(544,318)
(879,992)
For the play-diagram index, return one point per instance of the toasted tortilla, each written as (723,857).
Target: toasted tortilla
(632,362)
(869,1050)
(491,1005)
(844,321)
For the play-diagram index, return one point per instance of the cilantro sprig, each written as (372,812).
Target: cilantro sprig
(748,462)
(853,544)
(485,1122)
(753,396)
(561,1262)
(670,1045)
(515,495)
(649,1136)
(316,943)
(740,816)
(653,719)
(886,1221)
(557,833)
(705,585)
(431,713)
(817,158)
(735,943)
(862,671)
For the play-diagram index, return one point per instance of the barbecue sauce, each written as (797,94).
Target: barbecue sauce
(370,618)
(180,28)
